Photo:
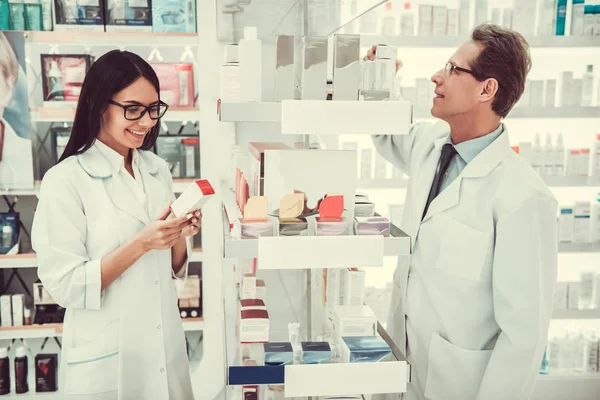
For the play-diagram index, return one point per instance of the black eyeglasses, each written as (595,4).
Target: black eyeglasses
(449,68)
(133,112)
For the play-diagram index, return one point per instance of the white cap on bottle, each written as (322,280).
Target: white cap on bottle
(21,352)
(250,32)
(3,352)
(27,313)
(7,229)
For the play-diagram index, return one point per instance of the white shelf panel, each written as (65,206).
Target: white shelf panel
(576,314)
(18,261)
(249,248)
(551,181)
(55,330)
(346,379)
(456,41)
(531,112)
(579,247)
(54,114)
(150,39)
(324,117)
(572,387)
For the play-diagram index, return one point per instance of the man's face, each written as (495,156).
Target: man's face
(457,93)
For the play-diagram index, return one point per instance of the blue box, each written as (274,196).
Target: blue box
(316,353)
(174,16)
(278,353)
(360,349)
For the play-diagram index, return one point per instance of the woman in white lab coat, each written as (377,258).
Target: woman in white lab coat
(107,246)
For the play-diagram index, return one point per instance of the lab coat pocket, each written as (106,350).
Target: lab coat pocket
(463,251)
(454,373)
(94,366)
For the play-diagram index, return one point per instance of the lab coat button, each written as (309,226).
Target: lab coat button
(158,327)
(156,282)
(162,370)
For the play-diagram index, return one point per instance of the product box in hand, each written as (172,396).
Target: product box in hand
(176,83)
(174,16)
(62,78)
(193,198)
(80,15)
(128,16)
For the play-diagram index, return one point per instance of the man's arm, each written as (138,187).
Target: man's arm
(524,279)
(397,149)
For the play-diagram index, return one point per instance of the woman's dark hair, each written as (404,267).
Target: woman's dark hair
(107,76)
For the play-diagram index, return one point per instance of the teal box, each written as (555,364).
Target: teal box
(174,16)
(360,349)
(316,353)
(279,353)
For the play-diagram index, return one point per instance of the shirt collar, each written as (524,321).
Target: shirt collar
(116,160)
(470,149)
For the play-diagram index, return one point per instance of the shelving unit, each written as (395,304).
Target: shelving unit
(572,387)
(576,314)
(111,38)
(567,42)
(55,330)
(30,260)
(579,247)
(51,114)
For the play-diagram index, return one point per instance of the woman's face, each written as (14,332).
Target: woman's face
(120,133)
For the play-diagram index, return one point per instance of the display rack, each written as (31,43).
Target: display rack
(566,42)
(110,39)
(576,314)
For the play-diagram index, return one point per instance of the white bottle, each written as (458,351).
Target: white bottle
(231,74)
(538,155)
(588,290)
(593,346)
(588,86)
(388,22)
(559,156)
(596,156)
(579,352)
(595,220)
(566,351)
(548,169)
(407,21)
(553,354)
(250,55)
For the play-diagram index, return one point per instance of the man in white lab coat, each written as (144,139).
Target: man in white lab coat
(472,309)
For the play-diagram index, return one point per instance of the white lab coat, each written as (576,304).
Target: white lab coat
(476,301)
(16,167)
(127,341)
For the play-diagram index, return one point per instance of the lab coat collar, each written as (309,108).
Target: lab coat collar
(480,166)
(101,162)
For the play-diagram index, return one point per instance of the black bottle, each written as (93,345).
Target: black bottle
(4,372)
(21,379)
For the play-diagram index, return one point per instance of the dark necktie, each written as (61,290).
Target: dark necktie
(448,152)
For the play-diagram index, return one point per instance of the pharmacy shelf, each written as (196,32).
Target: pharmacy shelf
(55,330)
(576,314)
(572,387)
(579,247)
(456,41)
(111,39)
(18,261)
(34,191)
(322,117)
(55,114)
(30,260)
(552,181)
(424,113)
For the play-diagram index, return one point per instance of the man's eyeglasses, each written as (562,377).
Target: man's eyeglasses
(449,68)
(133,112)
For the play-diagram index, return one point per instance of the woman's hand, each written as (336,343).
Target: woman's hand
(161,234)
(194,227)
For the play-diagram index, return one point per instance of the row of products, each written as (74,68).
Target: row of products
(579,222)
(10,228)
(46,372)
(177,16)
(397,18)
(582,295)
(574,352)
(63,77)
(301,69)
(14,313)
(189,298)
(555,160)
(13,310)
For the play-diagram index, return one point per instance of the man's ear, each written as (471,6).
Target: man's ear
(489,89)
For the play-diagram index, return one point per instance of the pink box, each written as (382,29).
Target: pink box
(176,83)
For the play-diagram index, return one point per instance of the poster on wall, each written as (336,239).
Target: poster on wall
(16,156)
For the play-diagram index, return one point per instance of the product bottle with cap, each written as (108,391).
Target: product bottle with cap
(250,56)
(27,316)
(230,74)
(4,372)
(21,379)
